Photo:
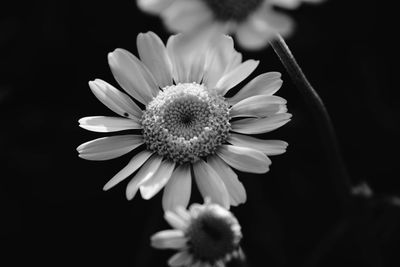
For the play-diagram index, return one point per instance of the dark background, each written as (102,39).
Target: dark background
(52,207)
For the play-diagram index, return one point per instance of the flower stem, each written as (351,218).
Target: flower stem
(339,176)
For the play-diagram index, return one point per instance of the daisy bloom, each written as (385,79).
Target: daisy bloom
(205,235)
(186,126)
(255,22)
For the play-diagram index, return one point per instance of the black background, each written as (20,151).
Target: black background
(52,207)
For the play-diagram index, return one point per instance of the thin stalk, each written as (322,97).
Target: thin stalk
(340,178)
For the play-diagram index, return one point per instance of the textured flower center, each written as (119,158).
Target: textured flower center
(212,237)
(185,122)
(236,10)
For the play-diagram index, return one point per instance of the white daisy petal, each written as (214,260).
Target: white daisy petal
(182,212)
(258,106)
(235,76)
(254,33)
(187,59)
(115,100)
(261,27)
(154,55)
(132,75)
(104,124)
(154,6)
(135,163)
(264,84)
(189,52)
(277,21)
(109,147)
(269,147)
(175,220)
(263,125)
(221,59)
(244,159)
(146,172)
(195,209)
(153,185)
(237,193)
(210,184)
(288,4)
(184,16)
(178,189)
(174,239)
(180,259)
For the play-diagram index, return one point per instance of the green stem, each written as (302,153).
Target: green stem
(340,178)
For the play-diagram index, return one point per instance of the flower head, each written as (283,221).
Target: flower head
(205,235)
(186,125)
(255,22)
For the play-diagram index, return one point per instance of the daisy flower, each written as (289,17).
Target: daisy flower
(255,22)
(186,126)
(205,235)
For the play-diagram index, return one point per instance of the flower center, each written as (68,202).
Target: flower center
(212,237)
(237,10)
(185,122)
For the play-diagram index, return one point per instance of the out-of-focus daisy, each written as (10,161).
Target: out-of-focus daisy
(205,235)
(255,22)
(187,123)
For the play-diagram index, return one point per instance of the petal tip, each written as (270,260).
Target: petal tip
(145,193)
(106,187)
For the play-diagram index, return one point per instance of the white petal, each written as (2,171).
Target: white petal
(222,58)
(183,213)
(180,259)
(258,106)
(153,185)
(175,220)
(108,124)
(146,172)
(237,193)
(135,163)
(244,159)
(154,6)
(174,239)
(264,84)
(115,100)
(178,189)
(187,59)
(289,4)
(154,55)
(188,52)
(195,209)
(109,147)
(261,27)
(186,16)
(254,33)
(132,75)
(210,184)
(263,125)
(236,75)
(269,147)
(276,21)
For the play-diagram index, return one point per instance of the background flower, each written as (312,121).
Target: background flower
(254,22)
(187,123)
(205,236)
